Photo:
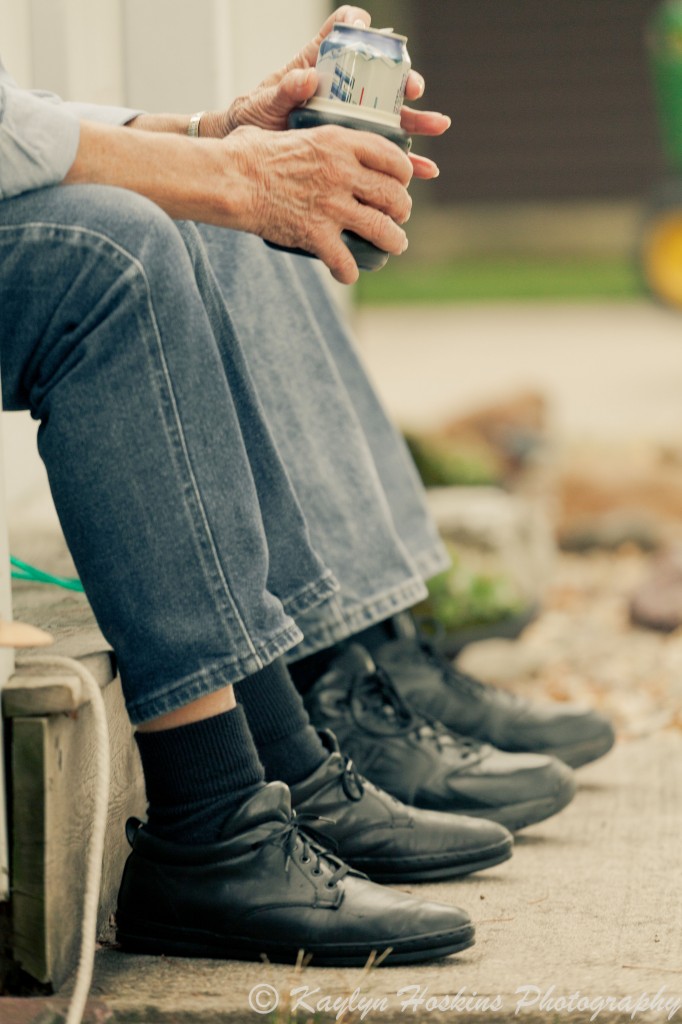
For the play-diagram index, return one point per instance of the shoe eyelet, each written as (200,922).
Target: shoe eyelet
(316,871)
(306,860)
(330,885)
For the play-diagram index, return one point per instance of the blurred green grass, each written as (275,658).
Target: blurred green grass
(472,280)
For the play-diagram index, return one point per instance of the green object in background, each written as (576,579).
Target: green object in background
(659,245)
(499,279)
(446,463)
(24,571)
(664,39)
(461,598)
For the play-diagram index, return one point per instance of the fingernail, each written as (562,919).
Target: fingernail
(421,82)
(448,119)
(359,23)
(405,244)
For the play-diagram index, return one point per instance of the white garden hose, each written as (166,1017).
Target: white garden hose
(93,873)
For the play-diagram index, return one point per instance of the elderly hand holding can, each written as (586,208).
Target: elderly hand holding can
(361,78)
(242,170)
(269,105)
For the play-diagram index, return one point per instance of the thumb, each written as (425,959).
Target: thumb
(297,86)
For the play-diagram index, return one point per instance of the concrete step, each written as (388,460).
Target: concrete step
(52,765)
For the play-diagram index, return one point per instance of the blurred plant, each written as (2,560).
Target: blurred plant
(446,462)
(497,443)
(461,597)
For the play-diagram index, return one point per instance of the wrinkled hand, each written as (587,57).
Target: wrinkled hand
(269,104)
(306,187)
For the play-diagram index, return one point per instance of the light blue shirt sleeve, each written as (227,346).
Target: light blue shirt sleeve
(106,115)
(39,135)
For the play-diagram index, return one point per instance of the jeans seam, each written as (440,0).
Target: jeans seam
(431,561)
(348,622)
(221,673)
(177,437)
(311,594)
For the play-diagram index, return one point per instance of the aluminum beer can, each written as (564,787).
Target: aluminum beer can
(364,68)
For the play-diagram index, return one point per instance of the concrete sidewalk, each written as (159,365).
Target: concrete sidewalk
(610,371)
(588,907)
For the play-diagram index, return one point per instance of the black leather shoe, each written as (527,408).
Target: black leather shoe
(385,838)
(270,889)
(433,686)
(419,761)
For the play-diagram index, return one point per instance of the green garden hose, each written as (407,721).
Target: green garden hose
(24,571)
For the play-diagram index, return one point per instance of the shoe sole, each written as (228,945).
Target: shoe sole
(191,943)
(529,812)
(486,858)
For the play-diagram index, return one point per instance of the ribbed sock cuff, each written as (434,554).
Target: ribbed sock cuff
(287,744)
(274,709)
(209,759)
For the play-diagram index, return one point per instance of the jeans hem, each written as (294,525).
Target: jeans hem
(311,595)
(356,618)
(213,677)
(432,562)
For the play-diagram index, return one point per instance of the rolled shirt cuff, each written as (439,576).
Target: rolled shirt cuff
(105,115)
(39,137)
(38,142)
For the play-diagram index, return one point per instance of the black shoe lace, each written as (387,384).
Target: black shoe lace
(374,698)
(354,785)
(351,780)
(377,708)
(298,834)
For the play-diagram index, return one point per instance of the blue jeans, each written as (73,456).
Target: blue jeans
(349,467)
(204,503)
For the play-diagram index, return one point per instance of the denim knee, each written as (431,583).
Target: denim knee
(67,256)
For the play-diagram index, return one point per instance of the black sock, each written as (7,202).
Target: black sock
(196,775)
(375,636)
(306,671)
(287,744)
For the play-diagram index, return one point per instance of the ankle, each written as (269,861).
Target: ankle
(196,775)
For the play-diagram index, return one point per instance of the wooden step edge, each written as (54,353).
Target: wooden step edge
(37,690)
